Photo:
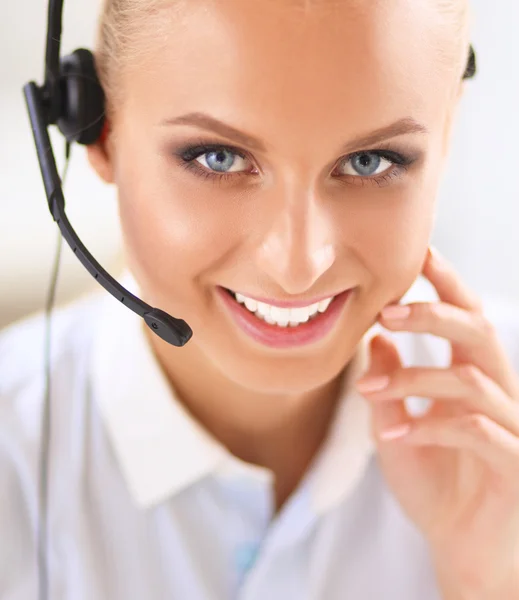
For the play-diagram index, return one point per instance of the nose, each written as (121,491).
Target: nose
(297,248)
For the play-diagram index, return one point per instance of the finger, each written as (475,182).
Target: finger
(398,462)
(447,321)
(384,362)
(471,333)
(464,384)
(493,444)
(448,283)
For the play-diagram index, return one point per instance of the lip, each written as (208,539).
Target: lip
(274,336)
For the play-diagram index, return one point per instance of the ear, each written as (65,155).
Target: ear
(100,156)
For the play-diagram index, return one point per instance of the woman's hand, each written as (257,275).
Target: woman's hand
(455,471)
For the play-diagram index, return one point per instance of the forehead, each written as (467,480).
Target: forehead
(296,61)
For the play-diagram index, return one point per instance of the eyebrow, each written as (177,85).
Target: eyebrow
(404,126)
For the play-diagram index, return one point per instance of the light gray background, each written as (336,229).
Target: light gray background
(478,219)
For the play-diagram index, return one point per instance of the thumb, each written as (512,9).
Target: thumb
(385,359)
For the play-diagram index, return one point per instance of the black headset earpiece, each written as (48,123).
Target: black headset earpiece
(81,112)
(72,98)
(472,67)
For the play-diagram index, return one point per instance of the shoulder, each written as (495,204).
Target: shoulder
(22,392)
(22,344)
(22,371)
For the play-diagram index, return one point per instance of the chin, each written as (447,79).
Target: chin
(286,373)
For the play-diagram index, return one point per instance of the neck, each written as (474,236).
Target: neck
(279,432)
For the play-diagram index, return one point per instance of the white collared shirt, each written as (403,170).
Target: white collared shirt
(145,504)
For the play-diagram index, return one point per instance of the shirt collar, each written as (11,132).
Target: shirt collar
(349,445)
(162,449)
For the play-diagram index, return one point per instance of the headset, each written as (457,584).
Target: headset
(72,99)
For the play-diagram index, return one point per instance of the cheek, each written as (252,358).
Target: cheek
(394,238)
(172,239)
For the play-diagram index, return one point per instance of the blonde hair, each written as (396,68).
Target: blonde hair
(120,38)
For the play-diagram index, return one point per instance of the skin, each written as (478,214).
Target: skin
(300,223)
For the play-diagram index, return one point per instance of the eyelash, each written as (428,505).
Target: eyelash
(189,154)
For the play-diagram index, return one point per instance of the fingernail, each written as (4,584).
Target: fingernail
(396,313)
(435,254)
(395,432)
(372,384)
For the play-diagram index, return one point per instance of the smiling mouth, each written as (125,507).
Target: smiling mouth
(282,316)
(284,327)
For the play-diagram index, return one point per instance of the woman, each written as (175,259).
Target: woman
(277,165)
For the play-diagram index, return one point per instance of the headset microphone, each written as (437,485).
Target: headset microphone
(72,98)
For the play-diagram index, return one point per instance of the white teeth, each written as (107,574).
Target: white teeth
(300,314)
(283,317)
(263,309)
(252,305)
(314,308)
(324,304)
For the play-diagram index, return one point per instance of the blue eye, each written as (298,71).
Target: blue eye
(367,164)
(221,160)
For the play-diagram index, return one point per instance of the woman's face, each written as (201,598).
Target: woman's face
(330,126)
